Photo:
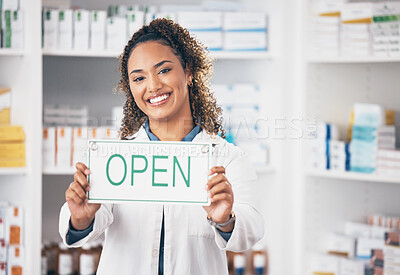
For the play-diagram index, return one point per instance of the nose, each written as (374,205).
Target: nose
(153,83)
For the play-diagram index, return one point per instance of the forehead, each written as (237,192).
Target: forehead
(149,54)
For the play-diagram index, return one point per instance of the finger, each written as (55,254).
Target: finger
(221,187)
(82,180)
(215,180)
(216,169)
(72,196)
(222,197)
(82,168)
(77,188)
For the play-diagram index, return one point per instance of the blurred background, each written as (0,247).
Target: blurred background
(309,89)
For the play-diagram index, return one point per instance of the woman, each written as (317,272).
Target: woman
(164,74)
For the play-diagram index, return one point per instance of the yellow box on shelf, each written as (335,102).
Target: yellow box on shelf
(5,105)
(11,134)
(4,162)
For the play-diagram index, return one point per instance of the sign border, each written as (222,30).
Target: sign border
(94,200)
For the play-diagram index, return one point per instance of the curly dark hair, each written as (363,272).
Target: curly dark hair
(193,56)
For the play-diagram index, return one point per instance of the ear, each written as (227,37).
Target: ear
(189,76)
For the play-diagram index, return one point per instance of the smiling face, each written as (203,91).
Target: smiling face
(158,82)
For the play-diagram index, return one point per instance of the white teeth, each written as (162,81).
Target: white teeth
(159,98)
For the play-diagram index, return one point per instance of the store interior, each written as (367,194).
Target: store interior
(309,90)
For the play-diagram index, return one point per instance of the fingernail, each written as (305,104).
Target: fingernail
(209,195)
(87,171)
(206,186)
(209,173)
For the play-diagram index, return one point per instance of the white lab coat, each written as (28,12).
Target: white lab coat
(191,246)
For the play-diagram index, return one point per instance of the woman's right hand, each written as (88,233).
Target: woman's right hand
(82,212)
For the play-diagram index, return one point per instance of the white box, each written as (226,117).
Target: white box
(15,264)
(81,30)
(55,120)
(135,21)
(79,147)
(98,30)
(341,243)
(116,33)
(356,11)
(351,267)
(212,40)
(14,225)
(200,21)
(242,21)
(356,230)
(49,148)
(65,25)
(13,37)
(55,110)
(64,147)
(50,29)
(246,93)
(245,41)
(9,5)
(3,268)
(3,251)
(364,246)
(166,15)
(324,263)
(107,132)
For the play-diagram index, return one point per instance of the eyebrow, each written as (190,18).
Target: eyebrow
(155,66)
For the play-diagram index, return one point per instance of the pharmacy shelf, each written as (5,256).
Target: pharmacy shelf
(11,52)
(13,171)
(54,171)
(352,176)
(353,59)
(261,55)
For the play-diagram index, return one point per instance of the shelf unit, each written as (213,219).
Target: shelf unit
(352,60)
(352,176)
(14,171)
(114,54)
(11,52)
(327,87)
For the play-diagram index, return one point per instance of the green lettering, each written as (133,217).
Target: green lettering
(108,166)
(133,167)
(158,170)
(187,180)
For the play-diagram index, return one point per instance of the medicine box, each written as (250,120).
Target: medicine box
(50,29)
(81,30)
(65,29)
(97,30)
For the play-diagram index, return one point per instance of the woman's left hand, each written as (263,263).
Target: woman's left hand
(221,198)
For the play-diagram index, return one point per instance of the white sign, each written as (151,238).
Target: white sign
(156,171)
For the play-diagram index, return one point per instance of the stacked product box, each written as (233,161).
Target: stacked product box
(205,26)
(11,239)
(356,251)
(65,115)
(242,119)
(11,26)
(388,162)
(391,253)
(326,133)
(339,155)
(63,147)
(385,29)
(5,105)
(364,142)
(356,19)
(12,146)
(245,31)
(325,28)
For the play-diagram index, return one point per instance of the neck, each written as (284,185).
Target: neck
(172,130)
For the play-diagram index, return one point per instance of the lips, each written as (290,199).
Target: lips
(158,99)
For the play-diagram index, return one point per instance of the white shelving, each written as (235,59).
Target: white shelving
(114,54)
(352,176)
(13,171)
(354,59)
(11,52)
